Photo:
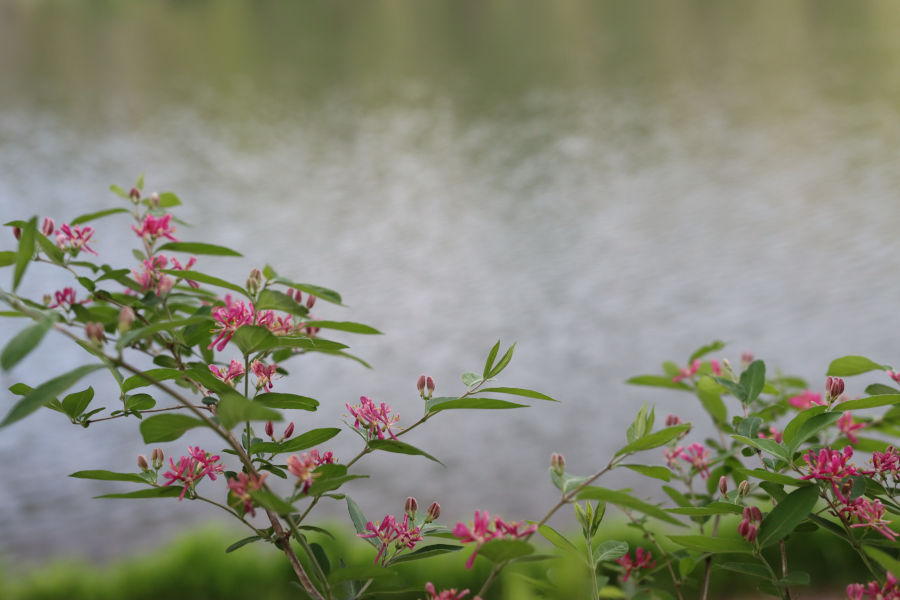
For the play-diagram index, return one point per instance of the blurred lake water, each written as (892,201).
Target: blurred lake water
(609,184)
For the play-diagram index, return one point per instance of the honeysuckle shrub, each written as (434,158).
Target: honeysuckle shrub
(188,350)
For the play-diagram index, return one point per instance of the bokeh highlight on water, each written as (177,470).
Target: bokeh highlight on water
(608,184)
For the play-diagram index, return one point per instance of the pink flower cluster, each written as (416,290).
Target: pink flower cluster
(150,276)
(304,466)
(450,594)
(389,531)
(889,591)
(235,370)
(847,427)
(263,374)
(806,400)
(696,454)
(243,485)
(191,469)
(236,314)
(642,560)
(375,420)
(156,227)
(747,527)
(773,434)
(74,238)
(65,298)
(482,529)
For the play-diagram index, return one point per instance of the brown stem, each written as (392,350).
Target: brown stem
(708,569)
(665,556)
(151,410)
(784,569)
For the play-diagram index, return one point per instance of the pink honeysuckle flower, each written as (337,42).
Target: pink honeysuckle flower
(228,319)
(376,421)
(698,456)
(304,466)
(74,238)
(643,560)
(390,530)
(830,465)
(191,469)
(482,529)
(450,594)
(156,227)
(871,514)
(47,226)
(241,488)
(151,277)
(773,434)
(874,591)
(847,427)
(209,462)
(672,455)
(176,265)
(263,374)
(805,400)
(894,375)
(885,463)
(688,371)
(235,370)
(716,368)
(65,298)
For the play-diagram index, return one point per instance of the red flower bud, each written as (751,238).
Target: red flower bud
(17,231)
(288,432)
(723,485)
(48,226)
(270,429)
(94,332)
(558,463)
(743,488)
(135,193)
(310,301)
(410,507)
(429,385)
(420,385)
(434,512)
(672,420)
(142,463)
(157,456)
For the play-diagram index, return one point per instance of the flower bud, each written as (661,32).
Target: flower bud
(288,432)
(434,511)
(17,231)
(157,456)
(420,385)
(254,281)
(746,358)
(723,485)
(752,513)
(142,463)
(410,507)
(95,333)
(154,200)
(126,318)
(672,420)
(270,429)
(135,194)
(310,301)
(429,385)
(558,463)
(48,226)
(47,299)
(834,387)
(743,488)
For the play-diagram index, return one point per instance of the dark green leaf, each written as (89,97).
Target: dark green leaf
(97,215)
(171,491)
(753,380)
(199,277)
(450,403)
(171,326)
(326,484)
(754,569)
(848,366)
(712,545)
(623,499)
(787,514)
(889,563)
(802,417)
(7,257)
(253,338)
(795,578)
(233,408)
(167,428)
(704,350)
(311,438)
(651,471)
(46,392)
(654,440)
(286,401)
(271,299)
(774,477)
(51,250)
(242,543)
(198,248)
(425,552)
(24,342)
(870,402)
(25,251)
(398,447)
(360,573)
(879,389)
(658,381)
(140,402)
(558,539)
(811,427)
(519,392)
(108,476)
(499,550)
(149,377)
(713,508)
(359,520)
(344,326)
(489,363)
(766,445)
(749,427)
(501,364)
(270,501)
(75,404)
(610,550)
(315,290)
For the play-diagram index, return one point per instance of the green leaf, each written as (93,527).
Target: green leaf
(143,332)
(171,491)
(233,408)
(118,191)
(311,438)
(470,379)
(713,508)
(658,381)
(51,250)
(449,403)
(139,402)
(704,350)
(7,257)
(870,402)
(811,427)
(610,550)
(269,272)
(139,184)
(889,563)
(316,290)
(654,440)
(489,363)
(847,366)
(704,543)
(424,552)
(879,389)
(787,514)
(204,278)
(623,499)
(749,427)
(399,447)
(519,392)
(25,252)
(501,364)
(75,404)
(286,401)
(344,326)
(167,428)
(802,417)
(651,471)
(137,381)
(253,338)
(272,299)
(795,578)
(360,573)
(766,445)
(270,501)
(773,477)
(754,569)
(97,215)
(326,482)
(500,550)
(243,542)
(753,380)
(710,394)
(168,200)
(198,248)
(46,392)
(558,539)
(24,342)
(108,476)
